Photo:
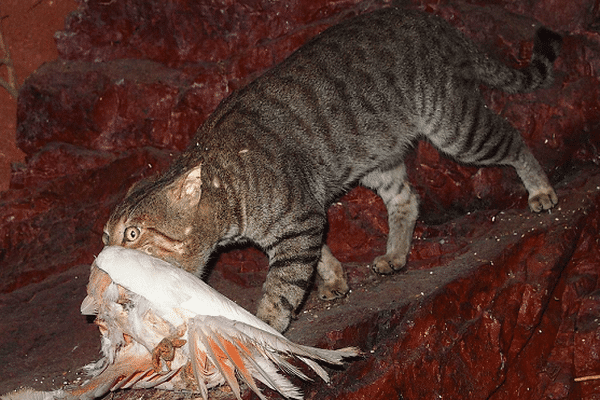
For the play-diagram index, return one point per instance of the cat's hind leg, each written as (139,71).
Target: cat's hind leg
(484,138)
(332,279)
(541,194)
(403,207)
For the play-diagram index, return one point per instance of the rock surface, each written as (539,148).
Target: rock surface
(496,302)
(26,42)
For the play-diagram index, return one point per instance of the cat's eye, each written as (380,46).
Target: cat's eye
(105,238)
(132,233)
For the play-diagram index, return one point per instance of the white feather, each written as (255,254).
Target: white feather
(170,288)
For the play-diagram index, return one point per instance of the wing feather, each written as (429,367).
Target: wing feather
(248,361)
(214,354)
(253,353)
(241,357)
(198,360)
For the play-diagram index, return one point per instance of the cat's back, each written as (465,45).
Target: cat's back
(363,78)
(354,69)
(360,63)
(387,38)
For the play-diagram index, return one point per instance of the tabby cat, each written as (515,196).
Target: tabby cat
(343,109)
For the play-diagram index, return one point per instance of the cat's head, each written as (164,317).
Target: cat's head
(167,218)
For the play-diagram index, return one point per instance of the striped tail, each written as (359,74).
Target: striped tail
(538,74)
(236,349)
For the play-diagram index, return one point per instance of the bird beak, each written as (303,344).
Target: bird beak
(89,306)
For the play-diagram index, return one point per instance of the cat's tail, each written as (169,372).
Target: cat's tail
(538,74)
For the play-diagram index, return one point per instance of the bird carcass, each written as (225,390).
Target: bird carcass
(163,327)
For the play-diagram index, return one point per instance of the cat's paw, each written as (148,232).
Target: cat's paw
(333,289)
(331,278)
(274,313)
(543,200)
(388,264)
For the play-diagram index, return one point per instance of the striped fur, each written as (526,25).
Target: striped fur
(343,109)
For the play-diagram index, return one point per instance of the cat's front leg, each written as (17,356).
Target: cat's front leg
(293,258)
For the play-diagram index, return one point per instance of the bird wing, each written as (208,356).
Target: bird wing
(241,350)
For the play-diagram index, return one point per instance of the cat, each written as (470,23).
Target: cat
(343,109)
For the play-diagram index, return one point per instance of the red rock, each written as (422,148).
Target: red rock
(128,114)
(110,107)
(179,32)
(497,302)
(356,227)
(63,216)
(473,325)
(28,33)
(57,160)
(477,335)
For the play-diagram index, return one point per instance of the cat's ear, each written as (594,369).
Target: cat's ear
(186,191)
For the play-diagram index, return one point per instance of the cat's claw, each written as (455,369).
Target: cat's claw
(388,264)
(543,200)
(331,278)
(329,291)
